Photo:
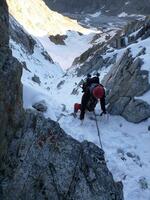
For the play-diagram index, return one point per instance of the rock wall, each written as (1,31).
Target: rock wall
(132,32)
(19,35)
(49,164)
(26,41)
(92,59)
(10,87)
(124,82)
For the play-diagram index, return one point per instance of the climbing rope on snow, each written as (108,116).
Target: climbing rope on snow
(98,131)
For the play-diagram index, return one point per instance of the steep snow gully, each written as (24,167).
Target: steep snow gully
(126,145)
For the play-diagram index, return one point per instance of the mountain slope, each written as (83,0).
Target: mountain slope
(112,7)
(126,145)
(39,70)
(125,56)
(74,45)
(38,160)
(48,22)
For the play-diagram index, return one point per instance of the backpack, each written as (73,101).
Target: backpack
(90,81)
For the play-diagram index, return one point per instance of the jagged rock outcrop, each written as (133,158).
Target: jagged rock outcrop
(27,42)
(51,165)
(92,59)
(132,32)
(107,7)
(40,106)
(20,36)
(58,39)
(38,160)
(125,82)
(11,110)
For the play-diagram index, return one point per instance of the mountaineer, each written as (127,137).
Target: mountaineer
(93,92)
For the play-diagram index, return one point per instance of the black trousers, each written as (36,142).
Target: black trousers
(85,102)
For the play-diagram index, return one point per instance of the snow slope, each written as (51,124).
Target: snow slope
(52,23)
(42,68)
(75,45)
(126,145)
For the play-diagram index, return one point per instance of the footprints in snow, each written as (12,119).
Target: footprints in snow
(143,183)
(128,155)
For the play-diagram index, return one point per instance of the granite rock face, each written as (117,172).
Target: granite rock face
(93,59)
(49,164)
(27,42)
(19,35)
(11,110)
(134,30)
(124,82)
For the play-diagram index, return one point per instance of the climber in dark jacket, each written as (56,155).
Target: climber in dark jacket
(93,91)
(90,98)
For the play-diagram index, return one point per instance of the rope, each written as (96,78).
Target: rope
(98,131)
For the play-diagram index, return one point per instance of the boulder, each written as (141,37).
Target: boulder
(40,106)
(136,111)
